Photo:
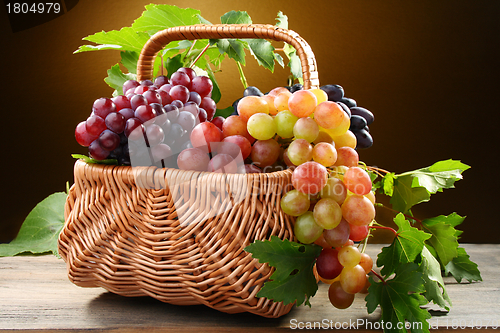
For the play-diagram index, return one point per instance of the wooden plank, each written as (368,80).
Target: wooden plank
(35,294)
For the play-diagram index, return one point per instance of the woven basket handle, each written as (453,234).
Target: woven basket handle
(216,31)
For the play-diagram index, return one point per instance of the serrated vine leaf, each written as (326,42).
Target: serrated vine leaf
(160,17)
(406,194)
(116,78)
(400,299)
(263,52)
(282,20)
(126,38)
(441,175)
(405,247)
(293,279)
(435,290)
(40,229)
(444,235)
(236,17)
(461,267)
(234,48)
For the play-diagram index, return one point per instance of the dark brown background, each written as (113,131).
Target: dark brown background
(427,69)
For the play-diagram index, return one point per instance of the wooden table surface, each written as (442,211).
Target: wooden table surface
(36,295)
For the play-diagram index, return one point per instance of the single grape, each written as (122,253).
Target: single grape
(103,106)
(235,125)
(306,128)
(141,89)
(358,232)
(324,153)
(97,152)
(327,213)
(300,151)
(349,102)
(305,229)
(154,135)
(327,264)
(309,177)
(261,126)
(285,122)
(349,256)
(334,189)
(358,210)
(302,103)
(193,159)
(116,122)
(250,105)
(161,152)
(357,123)
(204,134)
(281,101)
(121,102)
(270,102)
(223,163)
(152,96)
(179,93)
(95,125)
(131,130)
(127,113)
(137,100)
(321,95)
(187,120)
(348,139)
(194,97)
(366,262)
(353,279)
(202,85)
(363,138)
(160,80)
(338,297)
(339,235)
(278,90)
(252,91)
(347,156)
(334,91)
(109,140)
(295,203)
(145,113)
(265,153)
(366,114)
(180,78)
(357,181)
(202,115)
(82,136)
(218,121)
(245,147)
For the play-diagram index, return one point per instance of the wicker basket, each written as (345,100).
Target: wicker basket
(123,230)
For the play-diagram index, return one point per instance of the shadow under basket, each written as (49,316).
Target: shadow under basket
(174,235)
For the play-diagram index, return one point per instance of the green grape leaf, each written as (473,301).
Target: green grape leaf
(282,21)
(293,280)
(129,61)
(224,112)
(263,52)
(388,184)
(279,59)
(441,175)
(435,289)
(444,235)
(236,17)
(116,78)
(234,48)
(160,17)
(461,267)
(400,299)
(405,247)
(293,61)
(86,48)
(90,160)
(173,64)
(123,39)
(40,230)
(406,195)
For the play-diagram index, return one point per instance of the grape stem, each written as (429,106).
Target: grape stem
(382,227)
(199,55)
(378,276)
(242,75)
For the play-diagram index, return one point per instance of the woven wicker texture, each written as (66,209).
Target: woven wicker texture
(124,230)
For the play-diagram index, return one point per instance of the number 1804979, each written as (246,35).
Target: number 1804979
(33,8)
